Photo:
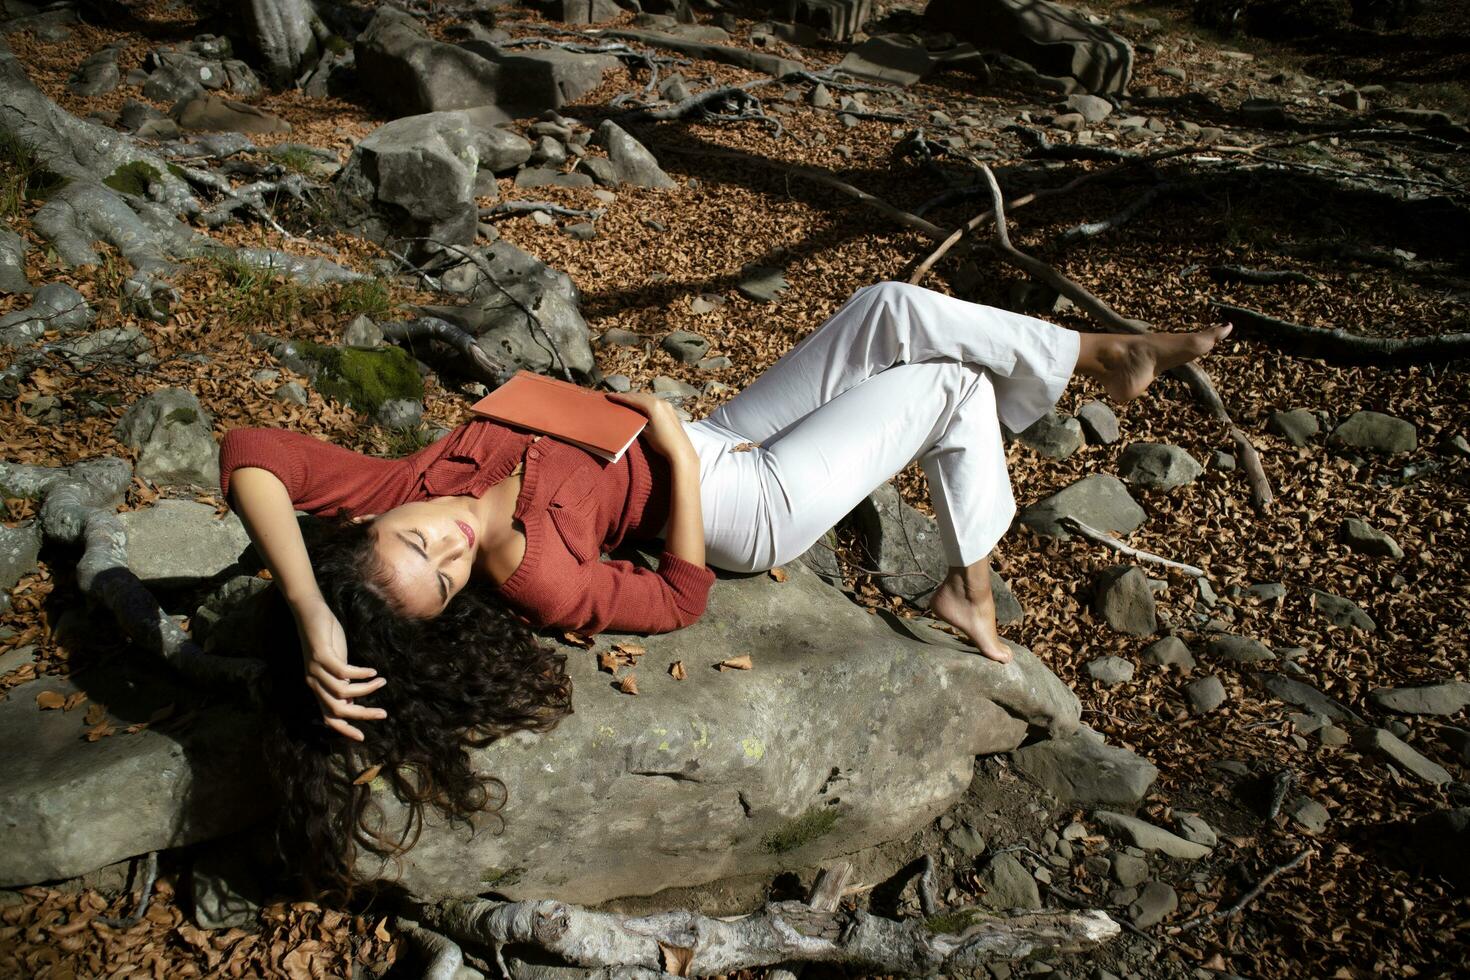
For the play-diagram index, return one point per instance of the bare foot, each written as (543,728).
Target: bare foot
(1130,364)
(972,614)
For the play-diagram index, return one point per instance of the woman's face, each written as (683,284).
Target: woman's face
(428,549)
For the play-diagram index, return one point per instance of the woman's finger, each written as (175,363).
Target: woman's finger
(347,671)
(345,709)
(343,728)
(361,690)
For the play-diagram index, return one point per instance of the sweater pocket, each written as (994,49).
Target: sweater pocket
(573,511)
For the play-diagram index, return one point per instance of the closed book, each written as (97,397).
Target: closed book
(572,414)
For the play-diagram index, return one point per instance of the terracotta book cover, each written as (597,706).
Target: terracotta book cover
(572,414)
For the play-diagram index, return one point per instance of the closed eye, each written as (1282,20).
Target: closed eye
(423,548)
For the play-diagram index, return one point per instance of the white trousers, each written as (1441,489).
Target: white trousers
(899,373)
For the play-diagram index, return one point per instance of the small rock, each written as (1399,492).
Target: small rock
(1432,699)
(362,332)
(1351,100)
(1097,864)
(1375,431)
(1145,835)
(1267,591)
(1158,466)
(1074,831)
(1205,694)
(667,386)
(1128,870)
(1306,724)
(1368,540)
(1110,670)
(1298,426)
(1054,436)
(1098,423)
(399,413)
(1155,902)
(617,382)
(717,363)
(1090,107)
(1125,602)
(1401,754)
(1099,501)
(967,839)
(1169,652)
(1240,649)
(1192,827)
(821,96)
(684,346)
(1005,884)
(582,231)
(1222,461)
(1311,815)
(292,392)
(619,337)
(1082,768)
(762,284)
(1341,612)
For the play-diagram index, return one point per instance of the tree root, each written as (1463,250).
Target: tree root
(442,955)
(690,944)
(483,366)
(1192,374)
(1260,277)
(1342,348)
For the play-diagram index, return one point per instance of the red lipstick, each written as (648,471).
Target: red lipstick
(469,532)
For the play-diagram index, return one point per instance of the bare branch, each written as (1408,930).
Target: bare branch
(1343,348)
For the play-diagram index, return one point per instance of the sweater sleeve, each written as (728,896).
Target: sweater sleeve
(320,477)
(618,595)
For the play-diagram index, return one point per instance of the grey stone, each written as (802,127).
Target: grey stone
(1298,426)
(20,548)
(1432,699)
(1304,696)
(1365,539)
(1375,431)
(1340,611)
(1099,501)
(97,75)
(581,11)
(549,151)
(1008,608)
(1110,670)
(54,307)
(17,658)
(635,165)
(762,284)
(821,96)
(968,840)
(173,436)
(618,382)
(665,385)
(1399,752)
(899,59)
(1057,40)
(1195,829)
(292,392)
(1054,436)
(582,231)
(1082,768)
(416,177)
(362,332)
(1331,735)
(1125,602)
(1158,466)
(1155,902)
(1240,649)
(1005,884)
(717,363)
(179,541)
(1307,812)
(13,249)
(619,337)
(1090,107)
(1098,864)
(1306,724)
(1169,652)
(1267,591)
(496,315)
(1141,833)
(399,413)
(1098,423)
(227,884)
(1129,871)
(408,72)
(1204,694)
(684,346)
(901,543)
(1222,461)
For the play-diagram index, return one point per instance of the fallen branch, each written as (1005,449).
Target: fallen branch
(485,368)
(1198,381)
(779,932)
(1343,348)
(442,955)
(1200,921)
(523,207)
(1091,229)
(1261,277)
(142,894)
(1093,533)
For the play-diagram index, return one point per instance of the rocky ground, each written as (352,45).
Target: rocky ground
(1257,691)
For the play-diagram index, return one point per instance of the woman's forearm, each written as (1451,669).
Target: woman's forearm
(686,522)
(265,507)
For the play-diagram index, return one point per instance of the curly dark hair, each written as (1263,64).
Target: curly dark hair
(458,681)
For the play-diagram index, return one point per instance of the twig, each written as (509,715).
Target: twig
(519,207)
(1200,921)
(925,887)
(1091,229)
(1192,374)
(1340,347)
(141,896)
(432,328)
(1107,539)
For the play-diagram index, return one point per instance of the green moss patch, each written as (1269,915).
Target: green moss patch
(133,178)
(953,923)
(801,831)
(504,877)
(364,377)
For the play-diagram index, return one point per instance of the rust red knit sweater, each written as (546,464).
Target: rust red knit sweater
(573,506)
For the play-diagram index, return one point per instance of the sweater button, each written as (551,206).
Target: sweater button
(534,454)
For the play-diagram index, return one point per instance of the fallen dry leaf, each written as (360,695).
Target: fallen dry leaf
(609,661)
(96,714)
(741,662)
(629,684)
(778,573)
(744,447)
(633,650)
(368,775)
(100,731)
(677,670)
(676,959)
(380,931)
(577,639)
(74,700)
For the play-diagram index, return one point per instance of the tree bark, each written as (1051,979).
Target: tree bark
(1343,348)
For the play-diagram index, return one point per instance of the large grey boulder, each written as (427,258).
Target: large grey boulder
(901,543)
(415,177)
(1125,602)
(733,772)
(1377,432)
(55,307)
(408,72)
(1158,466)
(631,160)
(1100,501)
(96,75)
(1054,39)
(181,541)
(1082,768)
(71,806)
(496,316)
(898,59)
(174,438)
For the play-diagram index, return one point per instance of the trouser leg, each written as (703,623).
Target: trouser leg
(765,506)
(888,323)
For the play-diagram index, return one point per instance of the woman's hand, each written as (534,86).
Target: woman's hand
(333,680)
(665,433)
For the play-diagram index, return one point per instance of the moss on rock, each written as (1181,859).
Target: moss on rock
(133,178)
(364,377)
(801,831)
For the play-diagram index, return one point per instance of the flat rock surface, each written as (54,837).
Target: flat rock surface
(180,540)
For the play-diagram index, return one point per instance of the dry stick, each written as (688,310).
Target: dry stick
(1341,347)
(442,953)
(1250,896)
(485,368)
(1198,381)
(141,897)
(1112,542)
(825,896)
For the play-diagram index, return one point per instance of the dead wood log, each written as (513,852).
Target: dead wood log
(779,932)
(442,955)
(485,368)
(1192,374)
(1343,348)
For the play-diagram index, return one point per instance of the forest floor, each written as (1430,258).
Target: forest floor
(1357,906)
